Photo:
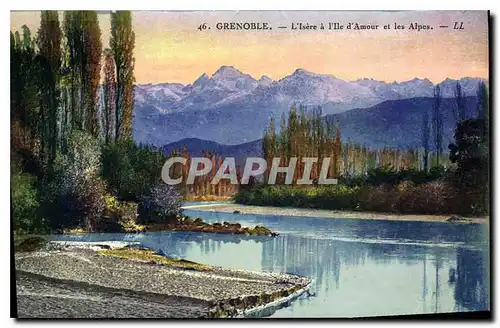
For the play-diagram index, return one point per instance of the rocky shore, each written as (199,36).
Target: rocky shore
(198,225)
(113,280)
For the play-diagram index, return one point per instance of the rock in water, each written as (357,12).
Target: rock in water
(455,218)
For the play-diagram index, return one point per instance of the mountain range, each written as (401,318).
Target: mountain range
(393,123)
(231,107)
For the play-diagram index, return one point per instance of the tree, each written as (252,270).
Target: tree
(24,100)
(460,102)
(122,44)
(269,145)
(83,40)
(92,51)
(49,44)
(77,195)
(109,93)
(131,169)
(425,138)
(74,64)
(437,122)
(482,107)
(25,203)
(470,153)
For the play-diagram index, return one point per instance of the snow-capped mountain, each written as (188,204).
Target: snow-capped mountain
(216,107)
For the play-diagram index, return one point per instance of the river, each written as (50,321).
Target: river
(358,267)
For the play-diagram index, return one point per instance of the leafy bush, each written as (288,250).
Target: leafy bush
(161,204)
(25,204)
(118,216)
(131,169)
(327,197)
(75,198)
(378,198)
(470,153)
(408,197)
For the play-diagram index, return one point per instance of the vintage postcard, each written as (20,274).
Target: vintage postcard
(250,164)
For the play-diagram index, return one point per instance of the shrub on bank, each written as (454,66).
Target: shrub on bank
(75,198)
(130,169)
(118,216)
(327,197)
(387,175)
(406,197)
(161,204)
(25,204)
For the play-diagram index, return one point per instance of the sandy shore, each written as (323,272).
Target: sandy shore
(77,282)
(268,210)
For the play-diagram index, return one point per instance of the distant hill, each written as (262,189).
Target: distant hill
(394,123)
(397,123)
(196,147)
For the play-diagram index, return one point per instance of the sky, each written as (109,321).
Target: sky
(170,48)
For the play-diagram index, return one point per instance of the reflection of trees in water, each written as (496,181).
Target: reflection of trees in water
(322,259)
(178,243)
(472,279)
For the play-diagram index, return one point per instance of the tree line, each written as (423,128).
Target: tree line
(63,80)
(388,179)
(73,160)
(432,129)
(304,133)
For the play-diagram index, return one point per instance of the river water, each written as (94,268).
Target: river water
(358,267)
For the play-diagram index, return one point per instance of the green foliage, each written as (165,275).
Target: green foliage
(75,198)
(482,107)
(387,175)
(131,169)
(49,59)
(82,68)
(55,80)
(470,153)
(403,197)
(325,197)
(119,215)
(410,198)
(24,101)
(25,204)
(30,244)
(437,122)
(122,44)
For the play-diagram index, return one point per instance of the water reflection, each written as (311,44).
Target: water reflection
(360,268)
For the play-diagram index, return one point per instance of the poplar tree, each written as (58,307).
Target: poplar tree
(482,101)
(49,44)
(122,44)
(24,90)
(109,94)
(437,123)
(460,103)
(425,137)
(91,69)
(73,32)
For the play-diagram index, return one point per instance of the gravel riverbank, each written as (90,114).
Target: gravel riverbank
(307,212)
(73,280)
